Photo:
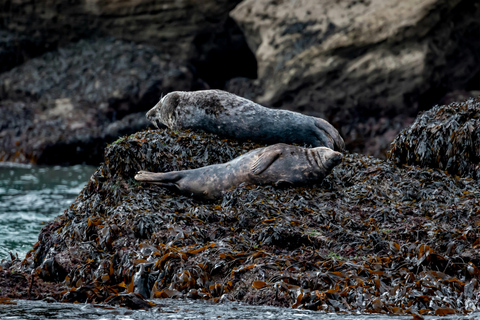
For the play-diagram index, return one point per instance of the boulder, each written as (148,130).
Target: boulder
(444,137)
(352,62)
(62,107)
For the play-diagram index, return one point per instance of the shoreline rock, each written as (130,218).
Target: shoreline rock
(368,229)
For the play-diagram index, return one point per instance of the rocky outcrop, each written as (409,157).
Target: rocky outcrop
(444,137)
(358,61)
(372,237)
(64,106)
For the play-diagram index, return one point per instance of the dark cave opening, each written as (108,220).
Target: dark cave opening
(223,55)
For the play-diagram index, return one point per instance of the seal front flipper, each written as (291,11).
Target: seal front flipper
(264,160)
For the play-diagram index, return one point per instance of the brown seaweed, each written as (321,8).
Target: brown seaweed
(444,137)
(372,237)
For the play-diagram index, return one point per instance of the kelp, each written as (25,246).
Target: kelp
(444,137)
(372,237)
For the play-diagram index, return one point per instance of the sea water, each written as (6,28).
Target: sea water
(31,196)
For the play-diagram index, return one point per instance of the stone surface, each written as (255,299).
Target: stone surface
(16,49)
(353,60)
(367,67)
(444,137)
(197,31)
(62,107)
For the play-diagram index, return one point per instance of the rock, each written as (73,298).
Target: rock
(350,61)
(444,137)
(15,49)
(369,228)
(62,107)
(197,31)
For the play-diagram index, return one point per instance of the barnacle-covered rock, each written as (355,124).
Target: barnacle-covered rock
(445,137)
(372,237)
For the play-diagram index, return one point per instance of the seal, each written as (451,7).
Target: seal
(279,164)
(231,116)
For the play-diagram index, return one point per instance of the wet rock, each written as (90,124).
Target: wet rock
(372,237)
(445,137)
(62,107)
(352,61)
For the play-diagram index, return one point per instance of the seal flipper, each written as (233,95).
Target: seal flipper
(329,136)
(264,161)
(160,178)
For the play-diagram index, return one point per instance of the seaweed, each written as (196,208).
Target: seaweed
(372,237)
(444,137)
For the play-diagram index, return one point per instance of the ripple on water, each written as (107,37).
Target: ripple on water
(171,309)
(31,196)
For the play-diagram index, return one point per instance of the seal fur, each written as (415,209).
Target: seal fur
(276,164)
(229,115)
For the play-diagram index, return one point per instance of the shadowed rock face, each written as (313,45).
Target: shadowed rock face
(349,61)
(366,67)
(280,164)
(197,31)
(229,115)
(63,106)
(444,137)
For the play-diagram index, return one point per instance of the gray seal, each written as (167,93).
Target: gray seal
(231,116)
(279,164)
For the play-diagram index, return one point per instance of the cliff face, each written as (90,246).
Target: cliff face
(348,60)
(169,24)
(194,31)
(367,67)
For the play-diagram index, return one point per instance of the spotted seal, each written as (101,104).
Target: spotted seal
(276,164)
(229,115)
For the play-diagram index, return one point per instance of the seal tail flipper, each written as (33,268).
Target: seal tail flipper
(264,161)
(160,178)
(329,136)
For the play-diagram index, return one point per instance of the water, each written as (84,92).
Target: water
(179,309)
(31,196)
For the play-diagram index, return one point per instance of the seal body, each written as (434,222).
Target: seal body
(275,164)
(229,115)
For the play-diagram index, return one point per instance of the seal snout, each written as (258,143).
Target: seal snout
(153,114)
(328,157)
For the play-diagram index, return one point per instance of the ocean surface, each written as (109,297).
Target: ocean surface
(31,196)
